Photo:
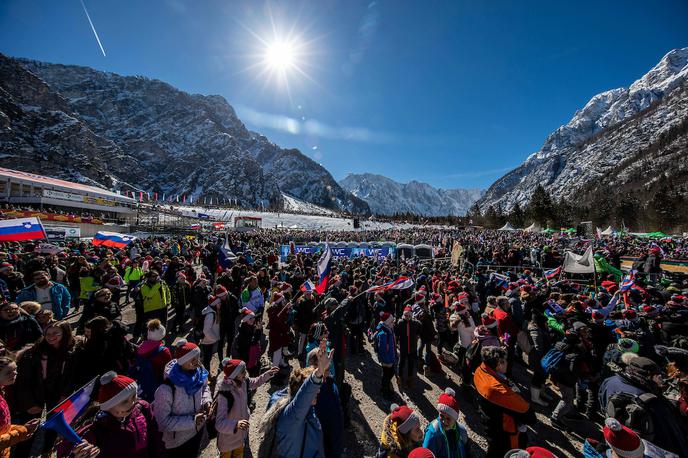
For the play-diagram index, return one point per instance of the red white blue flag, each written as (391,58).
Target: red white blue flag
(549,274)
(324,269)
(112,239)
(307,286)
(18,230)
(399,283)
(61,417)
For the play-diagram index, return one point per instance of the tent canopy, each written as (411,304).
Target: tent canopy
(609,231)
(507,227)
(533,228)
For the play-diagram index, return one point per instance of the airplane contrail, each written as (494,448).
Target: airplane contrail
(93,28)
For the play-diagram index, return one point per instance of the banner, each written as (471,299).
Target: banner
(382,252)
(45,216)
(60,233)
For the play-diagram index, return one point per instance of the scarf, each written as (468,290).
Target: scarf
(190,381)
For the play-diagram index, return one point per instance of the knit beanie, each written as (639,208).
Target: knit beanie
(404,417)
(622,440)
(156,333)
(387,318)
(114,389)
(232,367)
(448,404)
(185,351)
(421,452)
(597,316)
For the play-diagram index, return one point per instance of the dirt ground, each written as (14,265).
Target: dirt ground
(368,409)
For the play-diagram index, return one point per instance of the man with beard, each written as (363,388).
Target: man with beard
(51,295)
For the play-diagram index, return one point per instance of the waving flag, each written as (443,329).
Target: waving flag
(225,255)
(550,274)
(62,416)
(628,282)
(18,230)
(502,280)
(399,283)
(307,286)
(112,239)
(324,269)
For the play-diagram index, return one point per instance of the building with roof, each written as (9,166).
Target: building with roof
(38,191)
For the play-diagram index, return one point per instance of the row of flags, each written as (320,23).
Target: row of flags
(146,196)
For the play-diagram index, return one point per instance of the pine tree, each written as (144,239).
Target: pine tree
(540,208)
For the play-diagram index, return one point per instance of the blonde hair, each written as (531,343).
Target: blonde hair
(30,307)
(153,324)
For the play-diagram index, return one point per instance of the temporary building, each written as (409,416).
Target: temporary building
(507,227)
(533,228)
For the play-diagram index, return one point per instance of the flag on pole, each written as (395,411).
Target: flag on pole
(184,199)
(502,280)
(112,239)
(550,274)
(324,269)
(225,255)
(628,282)
(399,283)
(307,286)
(18,230)
(63,415)
(155,196)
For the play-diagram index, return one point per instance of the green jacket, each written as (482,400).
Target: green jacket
(88,286)
(131,274)
(155,297)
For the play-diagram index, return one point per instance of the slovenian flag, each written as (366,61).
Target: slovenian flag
(112,239)
(307,286)
(225,255)
(628,282)
(61,417)
(502,280)
(550,274)
(21,229)
(324,269)
(399,283)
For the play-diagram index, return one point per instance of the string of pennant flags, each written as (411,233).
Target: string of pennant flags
(146,196)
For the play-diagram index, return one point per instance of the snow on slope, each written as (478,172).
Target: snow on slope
(292,204)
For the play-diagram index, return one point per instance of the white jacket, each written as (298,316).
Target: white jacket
(211,326)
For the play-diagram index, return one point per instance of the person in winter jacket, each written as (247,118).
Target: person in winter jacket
(133,274)
(155,297)
(441,322)
(462,323)
(11,434)
(298,431)
(51,295)
(248,341)
(400,434)
(444,436)
(17,328)
(565,376)
(386,346)
(278,330)
(232,421)
(46,377)
(503,411)
(181,297)
(100,304)
(407,331)
(124,426)
(13,280)
(622,442)
(152,355)
(305,317)
(183,401)
(199,299)
(252,297)
(211,330)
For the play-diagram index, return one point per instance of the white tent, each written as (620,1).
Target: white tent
(609,231)
(579,264)
(535,227)
(507,227)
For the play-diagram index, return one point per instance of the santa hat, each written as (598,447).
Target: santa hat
(460,308)
(5,265)
(387,318)
(114,389)
(534,452)
(277,298)
(157,334)
(220,291)
(488,321)
(421,452)
(463,297)
(622,440)
(246,314)
(420,294)
(408,309)
(448,404)
(597,316)
(629,314)
(185,351)
(404,417)
(181,276)
(285,288)
(214,301)
(232,367)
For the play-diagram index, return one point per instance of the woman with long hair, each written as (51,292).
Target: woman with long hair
(11,434)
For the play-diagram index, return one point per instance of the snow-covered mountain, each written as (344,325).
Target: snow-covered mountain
(134,133)
(387,197)
(617,135)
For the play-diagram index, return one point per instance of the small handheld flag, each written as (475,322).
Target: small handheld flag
(550,274)
(112,239)
(21,229)
(64,414)
(307,286)
(324,268)
(399,283)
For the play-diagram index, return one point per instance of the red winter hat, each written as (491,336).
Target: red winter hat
(232,367)
(384,316)
(114,389)
(421,452)
(420,294)
(460,308)
(404,417)
(539,452)
(629,314)
(285,287)
(463,297)
(408,309)
(220,291)
(488,321)
(610,286)
(622,440)
(185,351)
(448,404)
(246,314)
(181,276)
(277,298)
(597,316)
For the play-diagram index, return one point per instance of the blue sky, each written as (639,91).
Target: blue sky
(451,93)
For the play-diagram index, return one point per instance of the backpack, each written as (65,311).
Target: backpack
(633,411)
(473,358)
(142,372)
(551,360)
(212,415)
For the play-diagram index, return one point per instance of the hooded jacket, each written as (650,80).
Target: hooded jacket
(211,326)
(386,345)
(59,296)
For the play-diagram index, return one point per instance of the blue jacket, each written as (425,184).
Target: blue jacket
(299,433)
(59,295)
(438,440)
(386,345)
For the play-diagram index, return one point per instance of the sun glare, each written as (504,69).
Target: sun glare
(280,55)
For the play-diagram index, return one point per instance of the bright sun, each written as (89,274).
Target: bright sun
(280,55)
